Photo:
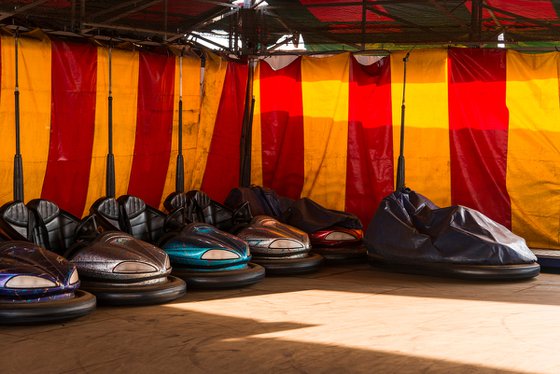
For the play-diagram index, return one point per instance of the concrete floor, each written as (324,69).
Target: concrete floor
(342,319)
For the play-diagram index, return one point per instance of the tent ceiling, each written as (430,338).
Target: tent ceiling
(327,24)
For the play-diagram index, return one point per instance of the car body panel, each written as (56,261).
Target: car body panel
(265,231)
(22,258)
(187,248)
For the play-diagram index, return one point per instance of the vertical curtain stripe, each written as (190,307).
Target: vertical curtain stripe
(35,113)
(325,109)
(369,172)
(152,146)
(125,103)
(191,110)
(426,122)
(222,168)
(74,68)
(533,169)
(256,135)
(214,77)
(478,131)
(282,128)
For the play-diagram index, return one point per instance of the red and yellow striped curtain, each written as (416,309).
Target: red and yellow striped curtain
(482,130)
(64,122)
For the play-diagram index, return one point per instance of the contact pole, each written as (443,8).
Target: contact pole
(110,175)
(18,162)
(180,172)
(400,164)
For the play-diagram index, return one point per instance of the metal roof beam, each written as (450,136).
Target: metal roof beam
(403,21)
(124,14)
(476,20)
(216,17)
(24,8)
(537,22)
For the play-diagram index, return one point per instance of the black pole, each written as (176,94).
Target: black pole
(18,163)
(246,133)
(110,176)
(400,165)
(180,171)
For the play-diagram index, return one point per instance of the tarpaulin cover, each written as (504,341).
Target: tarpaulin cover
(304,213)
(409,228)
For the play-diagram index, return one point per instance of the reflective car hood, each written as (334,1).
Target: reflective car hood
(264,231)
(336,236)
(23,258)
(100,257)
(189,246)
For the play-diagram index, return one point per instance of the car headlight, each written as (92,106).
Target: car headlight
(132,267)
(339,235)
(219,254)
(74,278)
(285,244)
(29,281)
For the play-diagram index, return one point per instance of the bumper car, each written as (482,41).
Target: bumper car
(411,234)
(338,244)
(117,268)
(37,286)
(335,235)
(281,249)
(202,255)
(549,259)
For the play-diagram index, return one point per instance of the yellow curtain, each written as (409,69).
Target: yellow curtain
(125,102)
(191,113)
(426,122)
(214,76)
(325,110)
(256,152)
(35,114)
(533,168)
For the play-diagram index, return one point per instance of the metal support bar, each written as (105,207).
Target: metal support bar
(216,17)
(247,131)
(476,20)
(400,165)
(24,8)
(110,173)
(180,167)
(18,162)
(124,14)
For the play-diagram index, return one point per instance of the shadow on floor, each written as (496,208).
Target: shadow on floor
(170,340)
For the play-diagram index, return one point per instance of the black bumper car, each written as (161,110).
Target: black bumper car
(39,286)
(202,255)
(411,234)
(335,235)
(549,259)
(117,268)
(281,249)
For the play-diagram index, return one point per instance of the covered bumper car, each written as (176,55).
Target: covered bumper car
(280,248)
(202,255)
(335,235)
(37,285)
(411,234)
(117,268)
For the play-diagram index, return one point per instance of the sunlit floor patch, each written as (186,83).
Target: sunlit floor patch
(487,334)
